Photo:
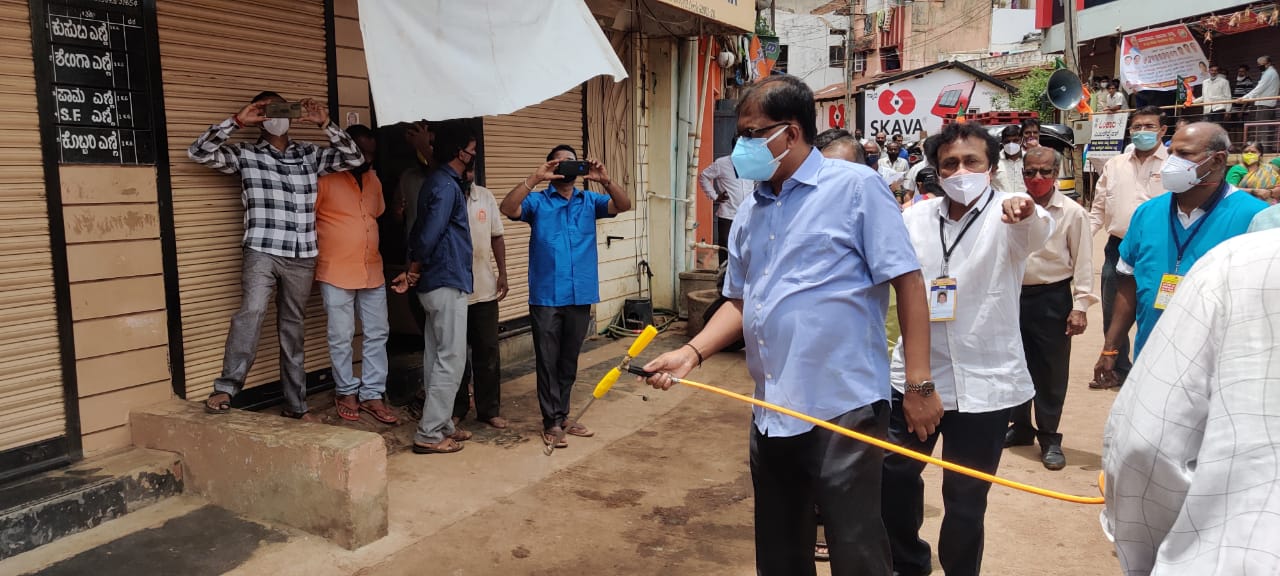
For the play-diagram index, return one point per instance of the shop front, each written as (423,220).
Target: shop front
(121,257)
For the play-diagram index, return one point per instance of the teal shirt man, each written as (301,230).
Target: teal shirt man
(1150,249)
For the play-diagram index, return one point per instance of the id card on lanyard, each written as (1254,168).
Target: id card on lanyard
(942,290)
(1169,282)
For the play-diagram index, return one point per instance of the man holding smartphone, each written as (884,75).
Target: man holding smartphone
(278,178)
(563,273)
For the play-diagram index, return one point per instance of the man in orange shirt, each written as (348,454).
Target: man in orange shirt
(349,269)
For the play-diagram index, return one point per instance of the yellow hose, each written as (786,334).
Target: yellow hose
(898,449)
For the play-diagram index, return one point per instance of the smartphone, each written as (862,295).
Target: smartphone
(573,168)
(283,110)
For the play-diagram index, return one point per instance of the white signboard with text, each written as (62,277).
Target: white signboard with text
(1107,140)
(920,103)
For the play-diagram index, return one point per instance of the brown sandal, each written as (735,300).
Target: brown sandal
(446,446)
(219,407)
(379,411)
(461,435)
(498,422)
(577,429)
(348,409)
(551,437)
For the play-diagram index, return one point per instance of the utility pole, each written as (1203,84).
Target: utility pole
(848,72)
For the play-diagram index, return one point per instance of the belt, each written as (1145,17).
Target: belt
(1033,289)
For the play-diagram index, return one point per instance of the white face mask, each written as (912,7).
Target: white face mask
(276,126)
(967,187)
(1179,174)
(1012,149)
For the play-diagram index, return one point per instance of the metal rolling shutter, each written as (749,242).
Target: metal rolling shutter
(514,146)
(31,393)
(213,61)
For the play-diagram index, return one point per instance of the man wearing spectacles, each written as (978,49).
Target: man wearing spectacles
(1127,180)
(814,228)
(1057,290)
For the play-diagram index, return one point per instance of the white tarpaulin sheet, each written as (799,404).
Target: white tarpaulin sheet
(444,59)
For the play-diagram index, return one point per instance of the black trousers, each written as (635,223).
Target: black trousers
(975,440)
(484,368)
(1110,283)
(723,225)
(1048,350)
(558,333)
(838,474)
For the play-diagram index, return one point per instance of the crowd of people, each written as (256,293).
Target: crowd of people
(990,263)
(311,216)
(993,274)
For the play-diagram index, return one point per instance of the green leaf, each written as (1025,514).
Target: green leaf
(1029,94)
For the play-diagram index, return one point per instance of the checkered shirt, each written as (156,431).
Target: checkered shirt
(1192,448)
(278,188)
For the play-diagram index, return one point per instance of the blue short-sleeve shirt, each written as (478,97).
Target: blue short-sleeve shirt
(563,265)
(811,265)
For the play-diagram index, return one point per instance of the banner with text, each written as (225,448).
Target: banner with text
(1154,59)
(1107,140)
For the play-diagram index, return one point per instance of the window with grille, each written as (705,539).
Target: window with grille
(860,64)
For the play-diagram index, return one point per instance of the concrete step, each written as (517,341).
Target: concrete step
(39,510)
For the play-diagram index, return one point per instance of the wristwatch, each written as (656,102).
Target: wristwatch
(924,389)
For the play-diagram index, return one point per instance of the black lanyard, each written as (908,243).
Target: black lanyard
(1174,224)
(942,237)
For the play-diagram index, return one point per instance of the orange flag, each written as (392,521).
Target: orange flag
(1083,106)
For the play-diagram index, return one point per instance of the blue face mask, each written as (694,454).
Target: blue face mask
(1144,140)
(872,160)
(753,160)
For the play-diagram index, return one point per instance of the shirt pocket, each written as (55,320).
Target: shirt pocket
(806,258)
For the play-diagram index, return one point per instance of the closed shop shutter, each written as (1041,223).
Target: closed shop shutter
(514,146)
(215,56)
(31,392)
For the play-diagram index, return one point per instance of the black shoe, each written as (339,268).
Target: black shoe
(1015,437)
(1053,459)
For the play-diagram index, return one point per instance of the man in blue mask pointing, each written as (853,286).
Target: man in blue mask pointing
(812,253)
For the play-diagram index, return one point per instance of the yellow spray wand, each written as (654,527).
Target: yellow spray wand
(607,382)
(641,342)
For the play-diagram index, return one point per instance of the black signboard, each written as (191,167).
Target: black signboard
(98,55)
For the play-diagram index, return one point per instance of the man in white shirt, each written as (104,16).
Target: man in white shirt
(1265,110)
(1216,88)
(1115,100)
(1192,446)
(1009,170)
(721,184)
(976,353)
(1057,290)
(483,370)
(892,167)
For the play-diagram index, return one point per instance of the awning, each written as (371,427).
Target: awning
(445,59)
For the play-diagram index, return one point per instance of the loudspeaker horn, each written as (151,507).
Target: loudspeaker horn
(1064,89)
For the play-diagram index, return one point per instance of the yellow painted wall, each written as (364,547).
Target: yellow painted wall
(111,219)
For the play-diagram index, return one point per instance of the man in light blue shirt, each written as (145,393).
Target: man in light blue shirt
(812,254)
